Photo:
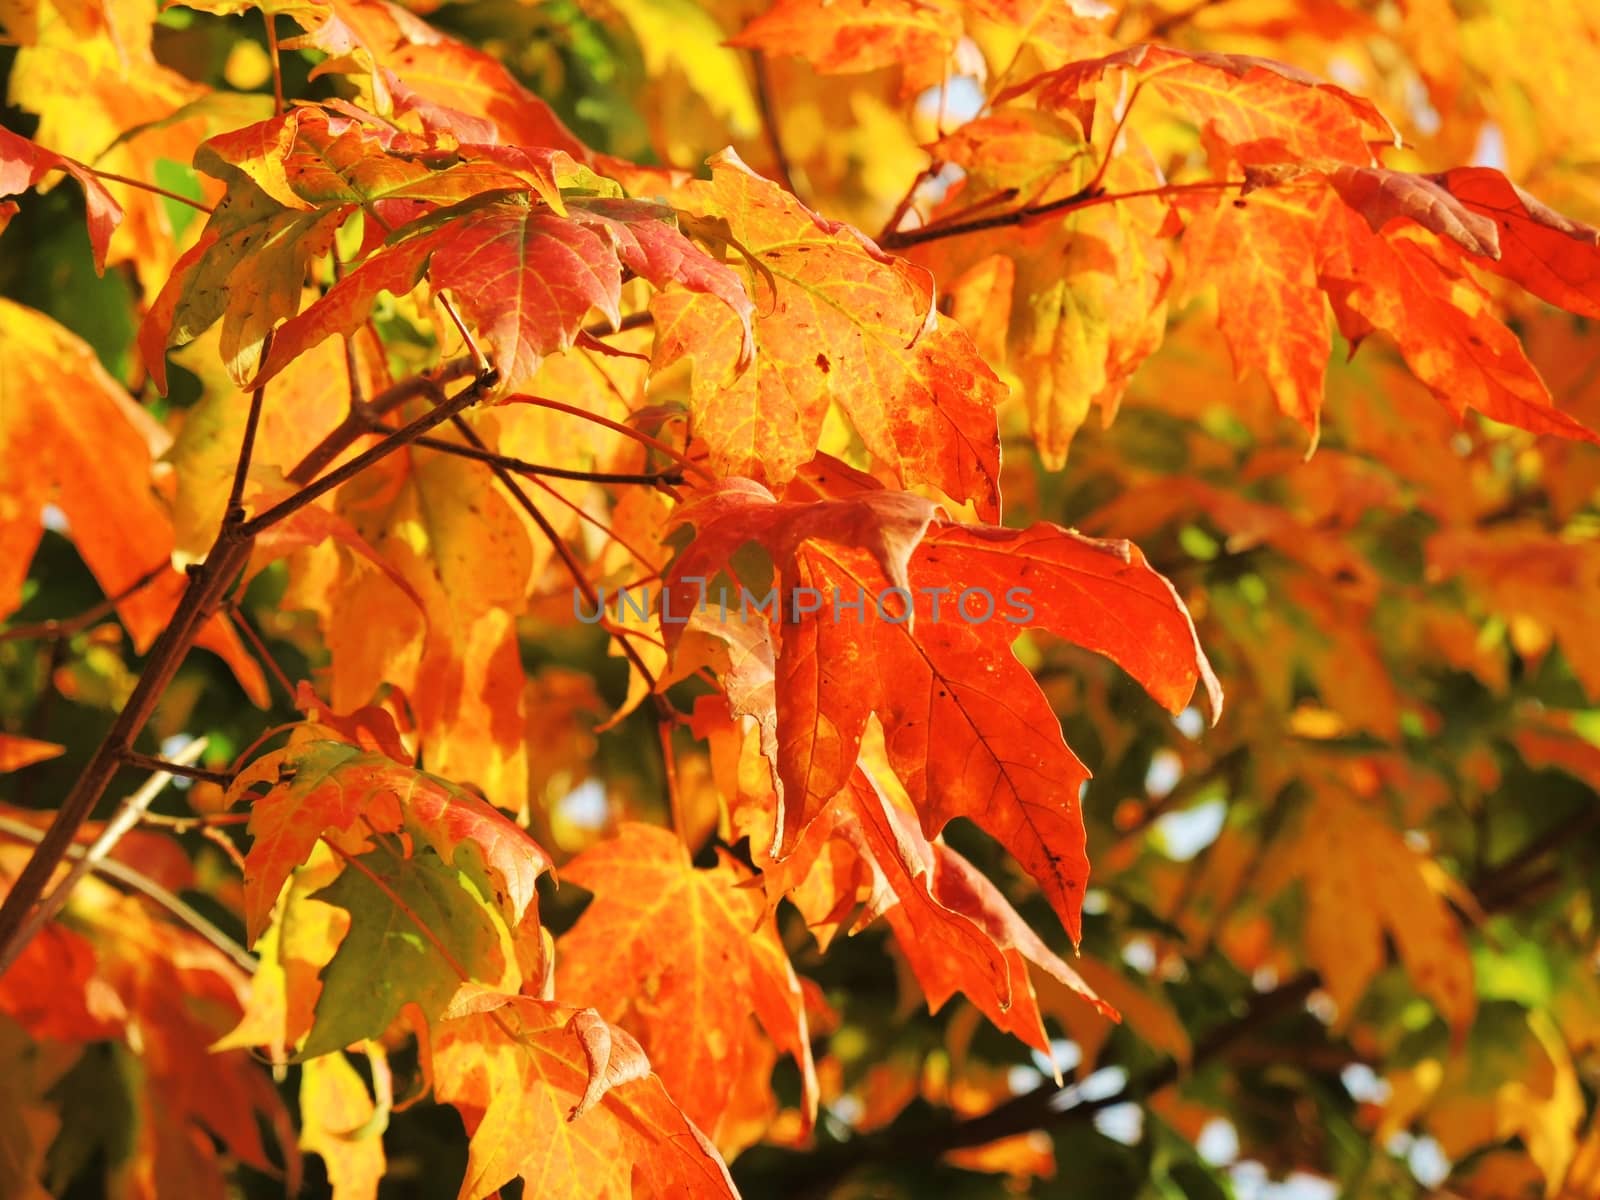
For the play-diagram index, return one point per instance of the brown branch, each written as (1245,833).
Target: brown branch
(1047,1106)
(143,186)
(523,467)
(148,762)
(1507,881)
(1083,198)
(769,121)
(112,868)
(906,201)
(209,582)
(357,422)
(401,437)
(64,627)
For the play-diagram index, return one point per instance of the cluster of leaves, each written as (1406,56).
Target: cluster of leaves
(328,347)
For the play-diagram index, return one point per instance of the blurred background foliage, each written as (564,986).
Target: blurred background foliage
(1404,625)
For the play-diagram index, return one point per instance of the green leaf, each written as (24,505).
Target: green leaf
(415,926)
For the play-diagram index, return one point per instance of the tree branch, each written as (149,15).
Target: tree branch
(358,421)
(65,627)
(523,467)
(1083,198)
(816,1173)
(139,882)
(401,437)
(209,582)
(183,765)
(769,121)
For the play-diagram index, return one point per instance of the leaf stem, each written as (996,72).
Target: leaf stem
(523,467)
(182,765)
(553,536)
(145,187)
(637,435)
(277,65)
(127,876)
(433,417)
(259,645)
(357,422)
(234,513)
(1082,198)
(769,121)
(56,629)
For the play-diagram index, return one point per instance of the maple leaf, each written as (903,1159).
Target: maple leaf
(1551,255)
(18,752)
(1238,98)
(1521,573)
(956,929)
(1516,1078)
(839,322)
(860,35)
(567,1102)
(1362,880)
(1361,242)
(70,436)
(418,930)
(165,994)
(453,553)
(322,787)
(291,182)
(23,164)
(340,1122)
(105,102)
(524,276)
(966,727)
(921,36)
(1077,304)
(643,952)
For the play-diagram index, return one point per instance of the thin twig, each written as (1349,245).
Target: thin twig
(557,543)
(1038,212)
(357,424)
(64,627)
(259,645)
(523,467)
(637,435)
(474,351)
(433,417)
(1093,186)
(97,858)
(144,187)
(182,765)
(589,518)
(769,121)
(139,882)
(234,513)
(277,65)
